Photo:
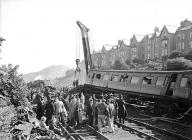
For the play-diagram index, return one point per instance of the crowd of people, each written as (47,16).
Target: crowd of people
(102,111)
(77,109)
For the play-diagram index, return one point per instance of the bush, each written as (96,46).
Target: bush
(13,93)
(118,65)
(175,55)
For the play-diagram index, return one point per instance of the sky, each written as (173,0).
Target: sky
(41,33)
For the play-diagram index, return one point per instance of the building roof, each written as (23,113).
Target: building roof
(185,28)
(144,38)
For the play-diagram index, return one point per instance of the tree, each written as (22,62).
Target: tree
(13,86)
(175,54)
(138,61)
(127,62)
(117,65)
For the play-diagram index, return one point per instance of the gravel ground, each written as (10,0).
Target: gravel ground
(120,134)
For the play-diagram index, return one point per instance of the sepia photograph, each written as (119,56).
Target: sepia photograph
(95,70)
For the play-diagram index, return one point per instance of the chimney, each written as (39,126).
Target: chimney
(156,29)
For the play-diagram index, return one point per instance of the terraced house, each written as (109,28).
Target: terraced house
(157,45)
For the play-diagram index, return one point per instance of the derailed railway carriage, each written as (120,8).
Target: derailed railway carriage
(172,88)
(163,91)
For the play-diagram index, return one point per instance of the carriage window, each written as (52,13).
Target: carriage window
(147,80)
(98,76)
(125,78)
(183,82)
(160,81)
(106,77)
(166,81)
(114,77)
(93,75)
(121,79)
(134,79)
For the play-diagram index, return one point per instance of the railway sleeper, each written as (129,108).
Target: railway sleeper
(167,132)
(137,132)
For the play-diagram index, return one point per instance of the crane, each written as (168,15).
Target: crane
(86,47)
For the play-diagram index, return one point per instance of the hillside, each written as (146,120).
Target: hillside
(48,73)
(68,79)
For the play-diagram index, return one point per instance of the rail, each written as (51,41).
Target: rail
(82,133)
(139,133)
(164,131)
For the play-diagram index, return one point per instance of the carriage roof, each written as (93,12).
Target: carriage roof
(146,71)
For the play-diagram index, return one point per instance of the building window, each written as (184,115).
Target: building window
(148,48)
(190,44)
(148,56)
(190,35)
(183,46)
(179,36)
(165,52)
(179,45)
(183,36)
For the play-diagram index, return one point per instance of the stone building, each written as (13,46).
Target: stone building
(123,52)
(158,45)
(155,45)
(183,36)
(167,41)
(135,48)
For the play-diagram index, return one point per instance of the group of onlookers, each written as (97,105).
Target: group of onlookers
(73,109)
(103,111)
(61,107)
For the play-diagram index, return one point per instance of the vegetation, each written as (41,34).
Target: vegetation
(118,65)
(179,61)
(13,98)
(127,62)
(138,61)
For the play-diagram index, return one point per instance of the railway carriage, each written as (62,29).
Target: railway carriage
(174,84)
(167,88)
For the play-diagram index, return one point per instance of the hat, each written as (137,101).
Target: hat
(43,118)
(103,100)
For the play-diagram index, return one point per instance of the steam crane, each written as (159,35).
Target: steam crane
(86,47)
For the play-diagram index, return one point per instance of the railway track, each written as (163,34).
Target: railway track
(158,131)
(84,133)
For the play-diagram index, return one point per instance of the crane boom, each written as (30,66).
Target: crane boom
(86,47)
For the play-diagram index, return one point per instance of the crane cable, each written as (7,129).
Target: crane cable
(77,70)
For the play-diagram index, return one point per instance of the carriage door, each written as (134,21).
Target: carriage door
(171,85)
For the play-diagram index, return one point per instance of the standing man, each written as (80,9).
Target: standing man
(49,110)
(60,110)
(72,108)
(101,106)
(121,109)
(111,114)
(89,112)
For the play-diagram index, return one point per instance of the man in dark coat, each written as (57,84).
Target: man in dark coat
(49,110)
(121,109)
(89,112)
(40,110)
